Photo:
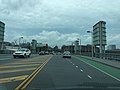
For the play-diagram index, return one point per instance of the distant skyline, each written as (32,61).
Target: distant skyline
(59,22)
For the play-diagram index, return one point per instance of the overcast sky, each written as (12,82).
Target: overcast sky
(59,22)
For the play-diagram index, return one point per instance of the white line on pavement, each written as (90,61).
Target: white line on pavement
(89,76)
(81,70)
(101,70)
(76,66)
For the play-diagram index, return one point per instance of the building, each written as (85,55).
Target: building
(25,45)
(76,48)
(2,30)
(33,46)
(69,48)
(111,47)
(99,36)
(41,47)
(83,49)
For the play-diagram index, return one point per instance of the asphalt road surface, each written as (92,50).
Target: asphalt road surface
(15,71)
(62,73)
(57,73)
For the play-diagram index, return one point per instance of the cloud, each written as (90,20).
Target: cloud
(62,16)
(51,37)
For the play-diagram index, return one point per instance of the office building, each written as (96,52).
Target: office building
(2,30)
(41,47)
(33,45)
(99,36)
(111,47)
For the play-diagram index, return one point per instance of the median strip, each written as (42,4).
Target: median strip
(11,79)
(17,70)
(27,81)
(16,66)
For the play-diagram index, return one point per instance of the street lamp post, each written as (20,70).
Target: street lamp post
(20,41)
(80,46)
(91,41)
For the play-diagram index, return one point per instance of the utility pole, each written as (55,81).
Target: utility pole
(91,42)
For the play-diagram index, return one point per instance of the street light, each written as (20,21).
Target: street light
(80,46)
(91,41)
(20,41)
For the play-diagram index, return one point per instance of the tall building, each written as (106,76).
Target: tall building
(41,47)
(2,30)
(33,45)
(111,47)
(99,35)
(76,46)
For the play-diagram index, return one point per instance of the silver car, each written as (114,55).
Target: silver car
(66,54)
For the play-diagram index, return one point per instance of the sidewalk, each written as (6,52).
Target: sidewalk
(112,63)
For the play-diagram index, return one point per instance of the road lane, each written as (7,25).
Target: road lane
(13,73)
(62,73)
(97,75)
(26,82)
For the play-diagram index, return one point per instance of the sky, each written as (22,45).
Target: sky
(59,22)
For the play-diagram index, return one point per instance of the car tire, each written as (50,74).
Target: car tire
(28,56)
(14,56)
(24,56)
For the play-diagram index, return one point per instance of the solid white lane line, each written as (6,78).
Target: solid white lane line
(89,76)
(100,70)
(81,70)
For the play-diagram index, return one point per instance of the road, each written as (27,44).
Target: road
(15,71)
(66,73)
(5,58)
(56,73)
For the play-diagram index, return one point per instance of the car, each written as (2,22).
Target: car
(22,53)
(42,53)
(66,54)
(46,53)
(58,53)
(52,53)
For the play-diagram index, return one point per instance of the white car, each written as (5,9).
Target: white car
(66,54)
(22,53)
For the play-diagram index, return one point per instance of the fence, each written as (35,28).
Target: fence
(110,56)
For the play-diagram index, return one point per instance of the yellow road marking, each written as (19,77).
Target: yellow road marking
(2,67)
(22,63)
(26,82)
(28,60)
(17,70)
(11,79)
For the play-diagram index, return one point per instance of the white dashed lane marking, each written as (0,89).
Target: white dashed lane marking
(81,70)
(76,66)
(89,76)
